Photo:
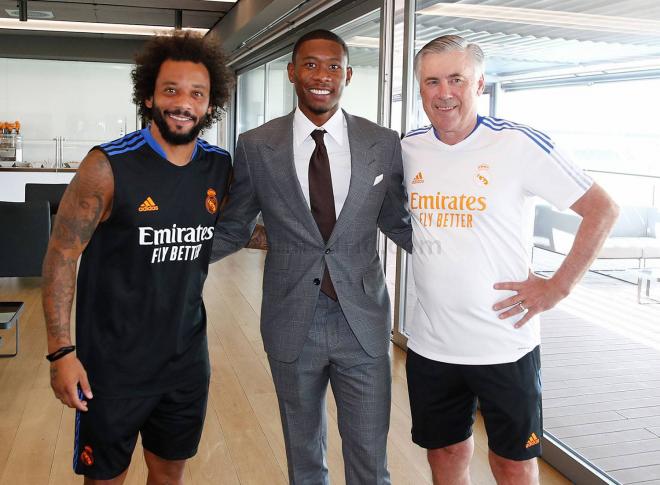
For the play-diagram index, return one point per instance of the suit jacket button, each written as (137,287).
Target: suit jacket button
(317,281)
(328,251)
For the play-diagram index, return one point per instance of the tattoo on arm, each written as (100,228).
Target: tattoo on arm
(259,239)
(84,205)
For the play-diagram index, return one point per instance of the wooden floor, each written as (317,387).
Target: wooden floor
(601,378)
(242,441)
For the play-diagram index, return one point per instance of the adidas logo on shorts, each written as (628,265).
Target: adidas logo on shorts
(532,441)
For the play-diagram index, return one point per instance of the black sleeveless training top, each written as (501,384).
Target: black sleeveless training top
(140,319)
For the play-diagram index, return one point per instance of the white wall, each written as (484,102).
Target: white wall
(12,184)
(85,102)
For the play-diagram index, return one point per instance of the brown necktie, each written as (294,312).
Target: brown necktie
(322,199)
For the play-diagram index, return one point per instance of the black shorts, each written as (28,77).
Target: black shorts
(443,403)
(170,425)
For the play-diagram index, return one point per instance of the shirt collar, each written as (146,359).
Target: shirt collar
(146,133)
(155,146)
(479,119)
(303,127)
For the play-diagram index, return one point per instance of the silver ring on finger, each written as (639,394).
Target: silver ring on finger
(522,306)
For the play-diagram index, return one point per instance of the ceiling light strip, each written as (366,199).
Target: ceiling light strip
(88,27)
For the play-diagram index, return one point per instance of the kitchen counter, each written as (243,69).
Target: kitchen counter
(37,169)
(13,180)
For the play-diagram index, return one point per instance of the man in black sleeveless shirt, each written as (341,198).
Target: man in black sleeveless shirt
(141,210)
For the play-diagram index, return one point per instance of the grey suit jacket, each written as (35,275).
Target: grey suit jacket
(265,180)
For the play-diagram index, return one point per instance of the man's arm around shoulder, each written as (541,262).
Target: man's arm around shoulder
(238,217)
(394,219)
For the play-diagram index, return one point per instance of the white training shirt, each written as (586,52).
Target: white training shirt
(472,213)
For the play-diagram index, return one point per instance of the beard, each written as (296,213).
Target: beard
(319,110)
(171,137)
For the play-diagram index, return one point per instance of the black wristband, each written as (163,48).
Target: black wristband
(61,352)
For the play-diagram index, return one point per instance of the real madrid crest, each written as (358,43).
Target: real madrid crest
(482,177)
(87,456)
(211,201)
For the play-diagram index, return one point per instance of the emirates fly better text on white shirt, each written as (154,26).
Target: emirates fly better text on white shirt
(472,207)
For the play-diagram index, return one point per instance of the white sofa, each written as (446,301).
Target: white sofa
(636,234)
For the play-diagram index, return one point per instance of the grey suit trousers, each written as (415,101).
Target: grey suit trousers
(362,388)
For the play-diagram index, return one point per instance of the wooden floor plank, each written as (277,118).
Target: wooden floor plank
(586,389)
(640,412)
(631,460)
(604,427)
(601,397)
(600,406)
(213,464)
(615,437)
(242,441)
(576,419)
(642,379)
(631,475)
(621,449)
(251,455)
(32,451)
(601,379)
(60,472)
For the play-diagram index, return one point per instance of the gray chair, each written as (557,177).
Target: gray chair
(50,192)
(24,234)
(636,234)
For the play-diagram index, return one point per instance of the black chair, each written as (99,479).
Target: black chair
(10,311)
(24,234)
(50,192)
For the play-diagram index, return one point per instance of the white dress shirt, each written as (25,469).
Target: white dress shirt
(339,153)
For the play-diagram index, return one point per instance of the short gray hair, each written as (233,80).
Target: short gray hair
(449,43)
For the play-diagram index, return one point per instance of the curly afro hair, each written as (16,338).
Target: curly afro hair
(182,46)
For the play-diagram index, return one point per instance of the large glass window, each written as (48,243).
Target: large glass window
(588,75)
(361,98)
(618,142)
(62,121)
(281,95)
(362,38)
(251,99)
(264,93)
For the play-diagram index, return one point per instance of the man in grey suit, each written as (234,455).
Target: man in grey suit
(325,313)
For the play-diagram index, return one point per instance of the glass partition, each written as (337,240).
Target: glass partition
(265,92)
(588,75)
(362,38)
(83,103)
(251,99)
(617,142)
(281,95)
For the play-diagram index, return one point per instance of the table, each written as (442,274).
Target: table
(9,313)
(645,278)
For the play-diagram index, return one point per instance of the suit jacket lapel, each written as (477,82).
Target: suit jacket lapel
(278,157)
(362,173)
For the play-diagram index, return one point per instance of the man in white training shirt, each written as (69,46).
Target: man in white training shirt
(475,330)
